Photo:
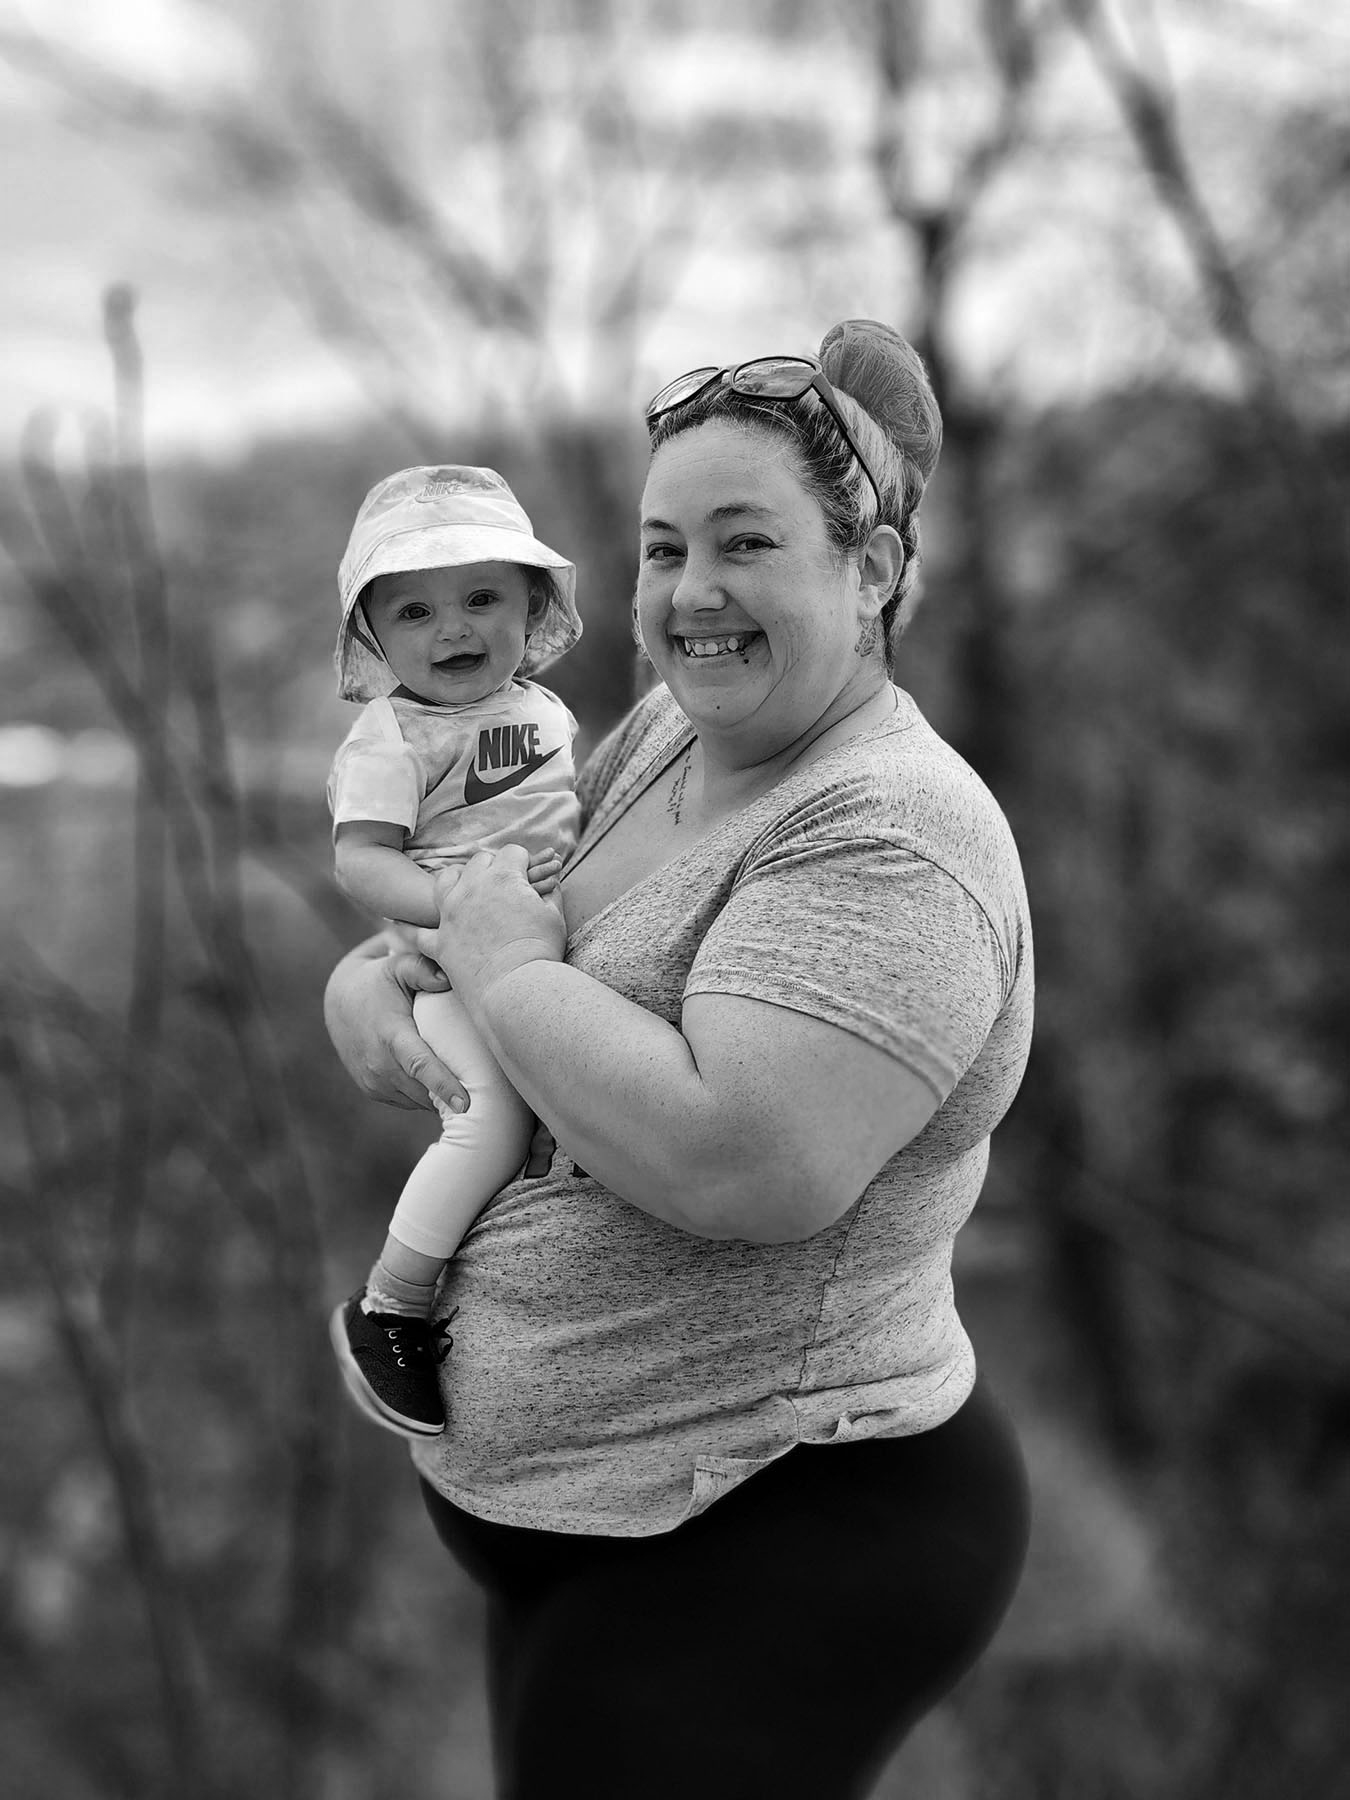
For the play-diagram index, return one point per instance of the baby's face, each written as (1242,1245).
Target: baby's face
(452,635)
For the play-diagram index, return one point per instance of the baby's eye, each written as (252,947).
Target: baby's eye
(414,610)
(481,597)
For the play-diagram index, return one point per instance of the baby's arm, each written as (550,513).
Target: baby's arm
(373,872)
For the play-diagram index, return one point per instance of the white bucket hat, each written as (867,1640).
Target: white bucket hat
(439,518)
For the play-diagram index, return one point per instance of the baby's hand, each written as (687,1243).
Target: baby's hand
(543,870)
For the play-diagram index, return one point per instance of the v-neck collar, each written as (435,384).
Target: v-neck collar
(671,738)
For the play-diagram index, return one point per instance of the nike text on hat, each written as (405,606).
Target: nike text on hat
(439,518)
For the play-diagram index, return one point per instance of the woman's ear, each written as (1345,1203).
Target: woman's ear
(880,566)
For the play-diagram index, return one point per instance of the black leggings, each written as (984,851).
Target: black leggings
(780,1644)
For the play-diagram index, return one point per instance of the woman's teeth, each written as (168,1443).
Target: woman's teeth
(715,646)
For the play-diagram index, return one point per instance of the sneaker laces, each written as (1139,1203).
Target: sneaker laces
(407,1338)
(440,1328)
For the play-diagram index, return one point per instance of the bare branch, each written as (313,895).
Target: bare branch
(1152,122)
(1012,44)
(1011,38)
(381,191)
(375,355)
(145,1016)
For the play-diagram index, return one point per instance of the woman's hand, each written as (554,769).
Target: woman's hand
(492,921)
(368,1011)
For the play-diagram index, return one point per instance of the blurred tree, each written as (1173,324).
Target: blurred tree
(1136,632)
(82,1203)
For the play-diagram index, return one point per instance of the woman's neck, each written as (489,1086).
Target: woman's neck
(731,776)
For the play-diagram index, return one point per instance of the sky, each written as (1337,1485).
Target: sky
(79,209)
(231,352)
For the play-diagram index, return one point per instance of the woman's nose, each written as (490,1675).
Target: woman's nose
(696,590)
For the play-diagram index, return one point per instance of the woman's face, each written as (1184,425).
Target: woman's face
(746,610)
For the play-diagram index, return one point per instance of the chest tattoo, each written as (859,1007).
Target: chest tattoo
(675,798)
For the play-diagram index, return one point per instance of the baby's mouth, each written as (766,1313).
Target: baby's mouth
(457,665)
(705,648)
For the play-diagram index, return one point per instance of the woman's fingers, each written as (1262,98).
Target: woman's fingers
(405,1044)
(426,1073)
(418,974)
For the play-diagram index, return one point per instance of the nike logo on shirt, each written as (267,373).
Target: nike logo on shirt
(500,747)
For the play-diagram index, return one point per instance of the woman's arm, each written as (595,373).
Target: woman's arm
(752,1121)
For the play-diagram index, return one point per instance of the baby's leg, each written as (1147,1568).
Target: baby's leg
(478,1151)
(381,1335)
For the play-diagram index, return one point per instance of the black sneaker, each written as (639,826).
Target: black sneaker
(389,1364)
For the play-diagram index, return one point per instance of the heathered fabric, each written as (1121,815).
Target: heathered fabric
(615,1375)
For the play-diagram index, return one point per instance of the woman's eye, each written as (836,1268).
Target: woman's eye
(751,541)
(660,552)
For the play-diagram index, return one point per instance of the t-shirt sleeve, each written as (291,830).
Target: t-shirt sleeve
(375,775)
(865,934)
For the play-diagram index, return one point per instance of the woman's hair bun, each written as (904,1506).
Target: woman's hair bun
(886,376)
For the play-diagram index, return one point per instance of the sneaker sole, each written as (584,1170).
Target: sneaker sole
(362,1394)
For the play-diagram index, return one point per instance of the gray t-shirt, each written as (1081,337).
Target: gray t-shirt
(613,1374)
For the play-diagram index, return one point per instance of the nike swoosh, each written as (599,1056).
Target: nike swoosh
(476,789)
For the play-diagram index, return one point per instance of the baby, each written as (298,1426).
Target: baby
(449,604)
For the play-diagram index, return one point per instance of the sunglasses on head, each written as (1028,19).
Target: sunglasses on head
(784,378)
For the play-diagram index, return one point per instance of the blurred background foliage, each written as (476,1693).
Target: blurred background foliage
(1121,235)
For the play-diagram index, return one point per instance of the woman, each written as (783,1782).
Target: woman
(716,1447)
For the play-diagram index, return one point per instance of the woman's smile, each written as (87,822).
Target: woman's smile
(709,646)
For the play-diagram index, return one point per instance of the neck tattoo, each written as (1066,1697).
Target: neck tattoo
(869,639)
(675,799)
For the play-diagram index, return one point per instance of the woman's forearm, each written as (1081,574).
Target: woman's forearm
(633,1109)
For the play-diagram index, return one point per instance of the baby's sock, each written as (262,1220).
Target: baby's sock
(386,1293)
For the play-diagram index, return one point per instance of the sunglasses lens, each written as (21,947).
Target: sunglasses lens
(774,377)
(767,378)
(683,388)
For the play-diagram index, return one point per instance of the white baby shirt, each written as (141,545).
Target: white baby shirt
(462,779)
